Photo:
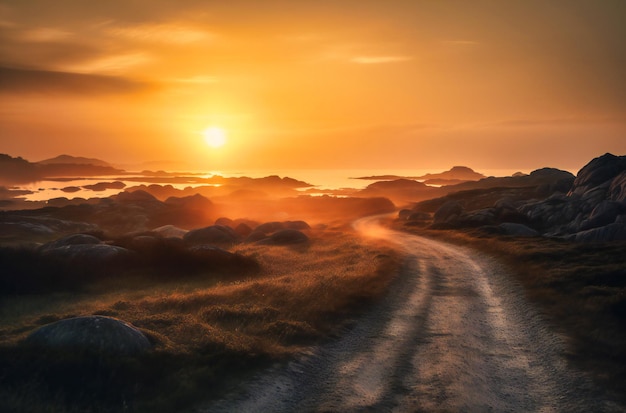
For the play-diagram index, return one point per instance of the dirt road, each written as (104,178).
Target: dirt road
(453,335)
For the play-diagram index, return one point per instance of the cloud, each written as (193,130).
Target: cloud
(573,120)
(167,33)
(374,60)
(197,79)
(45,34)
(110,64)
(23,81)
(460,42)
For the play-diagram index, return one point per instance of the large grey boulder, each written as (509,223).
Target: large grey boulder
(91,334)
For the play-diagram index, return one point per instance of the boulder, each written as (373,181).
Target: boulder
(504,203)
(144,242)
(193,202)
(170,231)
(226,222)
(91,334)
(270,227)
(75,239)
(136,197)
(88,255)
(404,214)
(448,211)
(243,229)
(214,234)
(255,236)
(477,218)
(299,225)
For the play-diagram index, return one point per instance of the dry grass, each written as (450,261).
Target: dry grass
(581,288)
(206,333)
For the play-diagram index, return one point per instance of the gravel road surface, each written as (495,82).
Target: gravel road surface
(453,335)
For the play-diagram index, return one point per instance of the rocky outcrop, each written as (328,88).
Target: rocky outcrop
(460,173)
(448,212)
(589,208)
(598,173)
(545,180)
(400,190)
(92,334)
(18,227)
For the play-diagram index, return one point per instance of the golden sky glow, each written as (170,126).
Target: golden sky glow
(315,84)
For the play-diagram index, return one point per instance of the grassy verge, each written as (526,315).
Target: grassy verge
(207,333)
(580,288)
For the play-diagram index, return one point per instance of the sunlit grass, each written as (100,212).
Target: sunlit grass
(206,332)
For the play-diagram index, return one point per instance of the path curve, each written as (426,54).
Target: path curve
(452,335)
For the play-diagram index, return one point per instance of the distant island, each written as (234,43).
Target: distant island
(456,175)
(74,160)
(18,170)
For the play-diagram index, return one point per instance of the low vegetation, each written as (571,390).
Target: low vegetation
(208,331)
(580,288)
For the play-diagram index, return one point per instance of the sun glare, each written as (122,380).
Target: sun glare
(214,137)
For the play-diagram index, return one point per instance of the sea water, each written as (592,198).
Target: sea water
(321,179)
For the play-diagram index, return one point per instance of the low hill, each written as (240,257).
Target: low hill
(460,173)
(75,160)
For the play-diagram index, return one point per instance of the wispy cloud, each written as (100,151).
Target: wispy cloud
(168,33)
(45,34)
(460,42)
(197,79)
(375,60)
(22,81)
(110,64)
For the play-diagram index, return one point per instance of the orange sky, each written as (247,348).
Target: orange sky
(315,84)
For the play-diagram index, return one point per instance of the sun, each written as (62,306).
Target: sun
(214,137)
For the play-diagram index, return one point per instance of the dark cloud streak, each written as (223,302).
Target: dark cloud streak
(25,81)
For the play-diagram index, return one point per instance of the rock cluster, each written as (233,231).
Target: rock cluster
(589,208)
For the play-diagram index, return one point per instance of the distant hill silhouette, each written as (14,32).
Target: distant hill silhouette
(76,160)
(462,173)
(458,174)
(18,170)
